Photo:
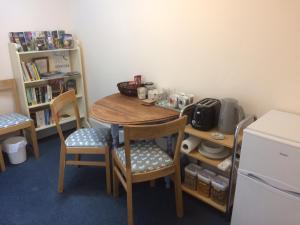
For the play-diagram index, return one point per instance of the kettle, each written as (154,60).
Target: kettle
(231,113)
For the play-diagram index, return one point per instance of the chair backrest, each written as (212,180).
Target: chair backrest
(58,104)
(10,85)
(146,132)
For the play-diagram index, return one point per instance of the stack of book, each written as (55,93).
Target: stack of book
(30,71)
(42,117)
(38,95)
(41,40)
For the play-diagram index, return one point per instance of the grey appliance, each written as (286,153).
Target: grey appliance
(231,113)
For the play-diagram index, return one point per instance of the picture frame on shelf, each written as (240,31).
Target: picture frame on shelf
(42,64)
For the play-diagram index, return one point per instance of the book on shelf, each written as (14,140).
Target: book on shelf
(57,86)
(38,95)
(30,71)
(26,76)
(42,117)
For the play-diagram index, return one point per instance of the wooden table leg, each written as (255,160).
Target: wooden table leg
(115,135)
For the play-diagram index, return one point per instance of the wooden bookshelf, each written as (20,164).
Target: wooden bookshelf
(73,60)
(45,104)
(202,198)
(45,81)
(46,51)
(62,122)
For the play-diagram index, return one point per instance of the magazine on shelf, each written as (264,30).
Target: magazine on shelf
(29,41)
(49,39)
(60,36)
(21,36)
(13,36)
(41,40)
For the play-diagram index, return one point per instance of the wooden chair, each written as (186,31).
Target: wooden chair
(12,122)
(145,161)
(82,141)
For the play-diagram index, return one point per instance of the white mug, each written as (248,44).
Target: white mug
(142,92)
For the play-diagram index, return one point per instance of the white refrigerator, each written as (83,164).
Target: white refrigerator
(268,182)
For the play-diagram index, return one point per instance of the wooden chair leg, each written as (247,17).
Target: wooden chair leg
(62,164)
(129,202)
(178,191)
(107,171)
(2,164)
(115,181)
(35,145)
(152,183)
(77,158)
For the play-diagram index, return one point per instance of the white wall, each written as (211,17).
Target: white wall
(249,50)
(20,15)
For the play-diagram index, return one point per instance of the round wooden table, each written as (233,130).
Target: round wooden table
(125,110)
(118,109)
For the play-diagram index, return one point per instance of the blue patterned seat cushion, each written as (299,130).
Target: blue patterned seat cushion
(146,156)
(12,119)
(89,137)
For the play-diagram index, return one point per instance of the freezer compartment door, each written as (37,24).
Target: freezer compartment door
(271,158)
(257,202)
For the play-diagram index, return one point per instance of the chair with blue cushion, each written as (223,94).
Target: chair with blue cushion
(141,160)
(82,141)
(13,122)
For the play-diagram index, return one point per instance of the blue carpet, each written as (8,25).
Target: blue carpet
(28,196)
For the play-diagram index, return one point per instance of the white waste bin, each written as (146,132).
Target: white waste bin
(15,147)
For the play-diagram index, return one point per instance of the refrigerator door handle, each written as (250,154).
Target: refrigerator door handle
(254,177)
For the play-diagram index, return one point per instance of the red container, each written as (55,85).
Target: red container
(138,80)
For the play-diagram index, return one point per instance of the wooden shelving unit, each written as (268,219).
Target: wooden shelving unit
(196,155)
(207,135)
(231,142)
(45,104)
(74,60)
(63,121)
(227,142)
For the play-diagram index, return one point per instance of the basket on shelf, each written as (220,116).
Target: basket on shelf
(127,88)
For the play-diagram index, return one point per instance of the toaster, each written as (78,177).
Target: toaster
(206,114)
